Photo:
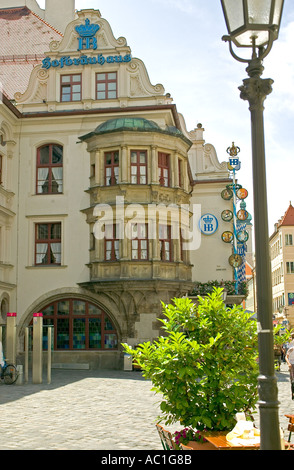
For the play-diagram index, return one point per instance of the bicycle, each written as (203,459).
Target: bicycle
(9,374)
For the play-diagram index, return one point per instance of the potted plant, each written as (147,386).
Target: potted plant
(204,366)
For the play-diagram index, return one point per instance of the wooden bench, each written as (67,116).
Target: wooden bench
(166,438)
(290,425)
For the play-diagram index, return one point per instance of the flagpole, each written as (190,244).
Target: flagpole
(235,227)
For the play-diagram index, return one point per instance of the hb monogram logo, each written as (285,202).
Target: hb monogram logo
(87,33)
(208,224)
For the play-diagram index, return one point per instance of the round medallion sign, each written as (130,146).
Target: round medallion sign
(227,237)
(208,224)
(235,260)
(227,215)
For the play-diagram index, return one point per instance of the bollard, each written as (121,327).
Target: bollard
(19,380)
(128,362)
(26,345)
(49,333)
(37,347)
(11,338)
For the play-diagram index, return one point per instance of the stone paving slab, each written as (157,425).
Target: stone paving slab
(92,410)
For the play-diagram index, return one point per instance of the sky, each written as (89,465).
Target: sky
(180,42)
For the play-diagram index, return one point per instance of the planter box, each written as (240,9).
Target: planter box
(201,445)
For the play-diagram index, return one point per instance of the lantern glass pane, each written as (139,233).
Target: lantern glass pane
(259,11)
(278,12)
(245,39)
(234,14)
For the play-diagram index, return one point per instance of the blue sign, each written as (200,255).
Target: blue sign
(291,298)
(87,40)
(208,224)
(66,61)
(87,33)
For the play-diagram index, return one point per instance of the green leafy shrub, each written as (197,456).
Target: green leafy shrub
(204,288)
(205,364)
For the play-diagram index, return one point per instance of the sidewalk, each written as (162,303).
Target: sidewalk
(91,410)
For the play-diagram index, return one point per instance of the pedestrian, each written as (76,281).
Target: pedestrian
(1,357)
(290,362)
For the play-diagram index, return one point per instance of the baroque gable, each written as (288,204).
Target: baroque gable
(89,47)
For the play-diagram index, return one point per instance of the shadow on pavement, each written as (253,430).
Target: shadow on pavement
(61,378)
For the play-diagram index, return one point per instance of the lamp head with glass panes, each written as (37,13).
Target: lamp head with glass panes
(253,24)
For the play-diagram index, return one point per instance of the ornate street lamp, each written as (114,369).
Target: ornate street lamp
(254,25)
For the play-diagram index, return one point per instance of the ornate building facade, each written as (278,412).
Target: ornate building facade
(282,264)
(102,193)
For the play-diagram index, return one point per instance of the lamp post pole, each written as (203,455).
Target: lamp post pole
(255,90)
(255,25)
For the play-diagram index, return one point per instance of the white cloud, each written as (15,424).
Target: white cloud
(186,6)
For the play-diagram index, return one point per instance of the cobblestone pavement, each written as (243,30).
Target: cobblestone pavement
(91,410)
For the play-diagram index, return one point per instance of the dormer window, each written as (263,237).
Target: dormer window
(106,86)
(71,88)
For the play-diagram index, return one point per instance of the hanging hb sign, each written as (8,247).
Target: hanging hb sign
(234,162)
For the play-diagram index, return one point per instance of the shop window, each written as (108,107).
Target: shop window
(49,169)
(164,169)
(138,167)
(106,86)
(48,244)
(78,325)
(139,241)
(165,242)
(111,242)
(71,88)
(111,168)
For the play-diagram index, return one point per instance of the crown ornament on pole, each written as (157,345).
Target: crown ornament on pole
(233,151)
(87,30)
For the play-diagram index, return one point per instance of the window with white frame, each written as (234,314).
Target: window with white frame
(138,167)
(140,241)
(111,242)
(290,267)
(288,239)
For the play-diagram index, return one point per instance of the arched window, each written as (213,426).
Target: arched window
(49,169)
(78,324)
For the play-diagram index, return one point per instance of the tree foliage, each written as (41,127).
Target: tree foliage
(204,365)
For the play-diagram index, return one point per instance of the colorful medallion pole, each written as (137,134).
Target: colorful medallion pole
(236,192)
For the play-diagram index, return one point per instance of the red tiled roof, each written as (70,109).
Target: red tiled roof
(288,218)
(25,38)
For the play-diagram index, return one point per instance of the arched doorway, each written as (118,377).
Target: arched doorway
(78,325)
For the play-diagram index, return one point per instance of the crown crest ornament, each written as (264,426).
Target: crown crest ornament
(87,30)
(208,219)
